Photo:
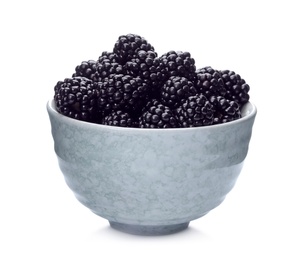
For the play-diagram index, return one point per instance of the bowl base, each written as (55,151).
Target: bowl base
(147,230)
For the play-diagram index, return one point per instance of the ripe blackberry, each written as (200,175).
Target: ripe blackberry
(107,68)
(120,92)
(76,98)
(109,57)
(86,69)
(236,87)
(209,82)
(177,63)
(145,65)
(195,111)
(175,90)
(225,110)
(157,115)
(127,46)
(119,118)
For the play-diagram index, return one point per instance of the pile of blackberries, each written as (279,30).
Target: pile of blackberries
(132,86)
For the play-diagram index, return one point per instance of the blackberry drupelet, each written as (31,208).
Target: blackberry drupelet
(209,82)
(225,110)
(157,115)
(175,90)
(121,92)
(86,69)
(77,98)
(236,87)
(178,63)
(119,118)
(127,46)
(195,111)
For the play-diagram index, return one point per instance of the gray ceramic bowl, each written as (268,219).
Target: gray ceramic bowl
(150,181)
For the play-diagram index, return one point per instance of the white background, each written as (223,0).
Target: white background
(43,41)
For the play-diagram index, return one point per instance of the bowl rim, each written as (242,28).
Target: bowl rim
(249,111)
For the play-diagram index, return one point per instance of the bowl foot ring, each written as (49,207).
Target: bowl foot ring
(149,230)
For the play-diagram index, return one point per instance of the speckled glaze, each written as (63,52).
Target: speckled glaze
(150,181)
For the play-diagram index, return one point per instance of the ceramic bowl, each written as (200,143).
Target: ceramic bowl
(150,181)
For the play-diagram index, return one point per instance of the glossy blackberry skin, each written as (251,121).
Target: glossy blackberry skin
(157,115)
(195,111)
(121,92)
(175,90)
(127,46)
(77,98)
(86,69)
(225,110)
(177,63)
(119,118)
(209,82)
(237,88)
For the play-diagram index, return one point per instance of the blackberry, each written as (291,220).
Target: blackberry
(237,88)
(107,68)
(86,69)
(175,90)
(127,47)
(157,115)
(209,82)
(120,92)
(145,65)
(110,57)
(195,111)
(119,118)
(177,63)
(225,110)
(76,98)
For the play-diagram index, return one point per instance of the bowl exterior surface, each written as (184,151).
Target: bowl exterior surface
(154,177)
